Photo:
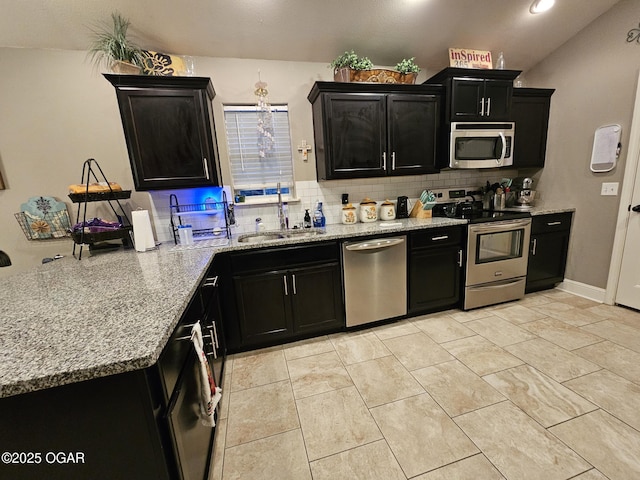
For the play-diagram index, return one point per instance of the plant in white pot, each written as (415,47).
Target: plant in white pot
(113,50)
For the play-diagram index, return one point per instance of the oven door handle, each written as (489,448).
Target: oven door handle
(499,226)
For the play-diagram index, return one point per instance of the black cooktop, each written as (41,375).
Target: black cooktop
(474,212)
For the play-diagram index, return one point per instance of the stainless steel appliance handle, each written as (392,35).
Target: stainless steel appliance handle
(374,244)
(535,245)
(500,284)
(384,160)
(551,224)
(504,148)
(293,281)
(393,160)
(284,280)
(460,258)
(482,107)
(499,226)
(206,167)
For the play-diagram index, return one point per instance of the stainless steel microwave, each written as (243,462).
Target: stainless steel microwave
(481,145)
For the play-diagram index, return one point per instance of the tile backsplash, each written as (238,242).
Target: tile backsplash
(330,194)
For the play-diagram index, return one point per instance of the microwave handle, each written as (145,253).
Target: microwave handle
(504,149)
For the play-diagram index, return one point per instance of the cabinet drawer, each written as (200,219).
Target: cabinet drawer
(554,222)
(435,237)
(284,257)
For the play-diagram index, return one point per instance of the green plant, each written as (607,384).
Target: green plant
(407,66)
(111,44)
(351,60)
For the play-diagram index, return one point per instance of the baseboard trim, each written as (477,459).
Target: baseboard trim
(583,290)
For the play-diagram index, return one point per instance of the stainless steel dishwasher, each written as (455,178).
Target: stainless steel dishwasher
(375,279)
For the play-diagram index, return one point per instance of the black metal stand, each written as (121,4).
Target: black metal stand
(200,215)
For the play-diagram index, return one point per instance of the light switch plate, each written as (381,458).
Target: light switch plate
(609,188)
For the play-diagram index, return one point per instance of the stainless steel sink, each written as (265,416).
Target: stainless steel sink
(278,235)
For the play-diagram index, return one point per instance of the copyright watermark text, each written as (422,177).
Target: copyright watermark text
(26,458)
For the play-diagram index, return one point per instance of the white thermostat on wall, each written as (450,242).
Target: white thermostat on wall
(606,148)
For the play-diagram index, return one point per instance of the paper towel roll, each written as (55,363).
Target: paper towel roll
(142,233)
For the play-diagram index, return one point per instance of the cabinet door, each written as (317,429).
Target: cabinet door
(466,99)
(497,95)
(356,135)
(262,302)
(317,298)
(547,260)
(531,116)
(170,138)
(434,278)
(413,125)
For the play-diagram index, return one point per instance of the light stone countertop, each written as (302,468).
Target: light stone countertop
(68,321)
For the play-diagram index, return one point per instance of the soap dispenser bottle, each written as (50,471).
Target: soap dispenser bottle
(318,216)
(307,219)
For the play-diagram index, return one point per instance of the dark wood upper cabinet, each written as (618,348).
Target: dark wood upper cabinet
(530,111)
(169,130)
(373,130)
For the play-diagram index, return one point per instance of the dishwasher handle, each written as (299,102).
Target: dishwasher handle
(379,244)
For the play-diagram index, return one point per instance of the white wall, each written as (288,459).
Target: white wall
(595,75)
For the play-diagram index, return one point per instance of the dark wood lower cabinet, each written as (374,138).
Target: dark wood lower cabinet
(548,250)
(435,257)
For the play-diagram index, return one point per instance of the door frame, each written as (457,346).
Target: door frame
(626,195)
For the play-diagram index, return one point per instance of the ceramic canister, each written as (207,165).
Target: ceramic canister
(387,210)
(349,214)
(368,210)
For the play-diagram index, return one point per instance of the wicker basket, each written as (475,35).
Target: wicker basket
(377,75)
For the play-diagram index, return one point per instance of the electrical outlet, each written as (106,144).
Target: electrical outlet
(609,188)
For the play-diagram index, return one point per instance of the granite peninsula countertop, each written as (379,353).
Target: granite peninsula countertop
(68,321)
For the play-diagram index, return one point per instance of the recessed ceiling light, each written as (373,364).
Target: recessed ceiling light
(539,6)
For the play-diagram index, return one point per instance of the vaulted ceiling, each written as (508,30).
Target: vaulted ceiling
(309,30)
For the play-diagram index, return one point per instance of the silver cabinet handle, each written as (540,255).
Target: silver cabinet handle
(384,160)
(393,160)
(284,280)
(488,106)
(293,282)
(206,167)
(535,245)
(460,258)
(215,334)
(443,237)
(552,224)
(482,107)
(214,344)
(211,282)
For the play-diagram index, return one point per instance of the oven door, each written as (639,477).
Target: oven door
(497,251)
(481,145)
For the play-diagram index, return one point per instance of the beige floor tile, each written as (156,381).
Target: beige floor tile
(519,314)
(258,368)
(613,357)
(369,462)
(561,333)
(472,468)
(616,332)
(604,441)
(531,300)
(317,374)
(499,331)
(335,421)
(421,435)
(538,395)
(556,294)
(397,329)
(467,316)
(553,307)
(628,317)
(577,316)
(308,347)
(417,350)
(579,302)
(260,412)
(359,346)
(383,380)
(605,311)
(456,388)
(281,457)
(615,394)
(218,450)
(518,446)
(443,328)
(480,355)
(592,474)
(552,360)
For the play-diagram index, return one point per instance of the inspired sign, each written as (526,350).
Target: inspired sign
(465,58)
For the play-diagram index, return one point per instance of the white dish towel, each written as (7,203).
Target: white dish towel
(210,394)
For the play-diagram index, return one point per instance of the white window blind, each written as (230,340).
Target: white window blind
(253,175)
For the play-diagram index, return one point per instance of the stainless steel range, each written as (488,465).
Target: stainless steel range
(497,252)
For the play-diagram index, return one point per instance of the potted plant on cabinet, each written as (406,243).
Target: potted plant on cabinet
(111,48)
(349,67)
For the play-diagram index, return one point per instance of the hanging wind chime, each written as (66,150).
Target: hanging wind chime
(265,120)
